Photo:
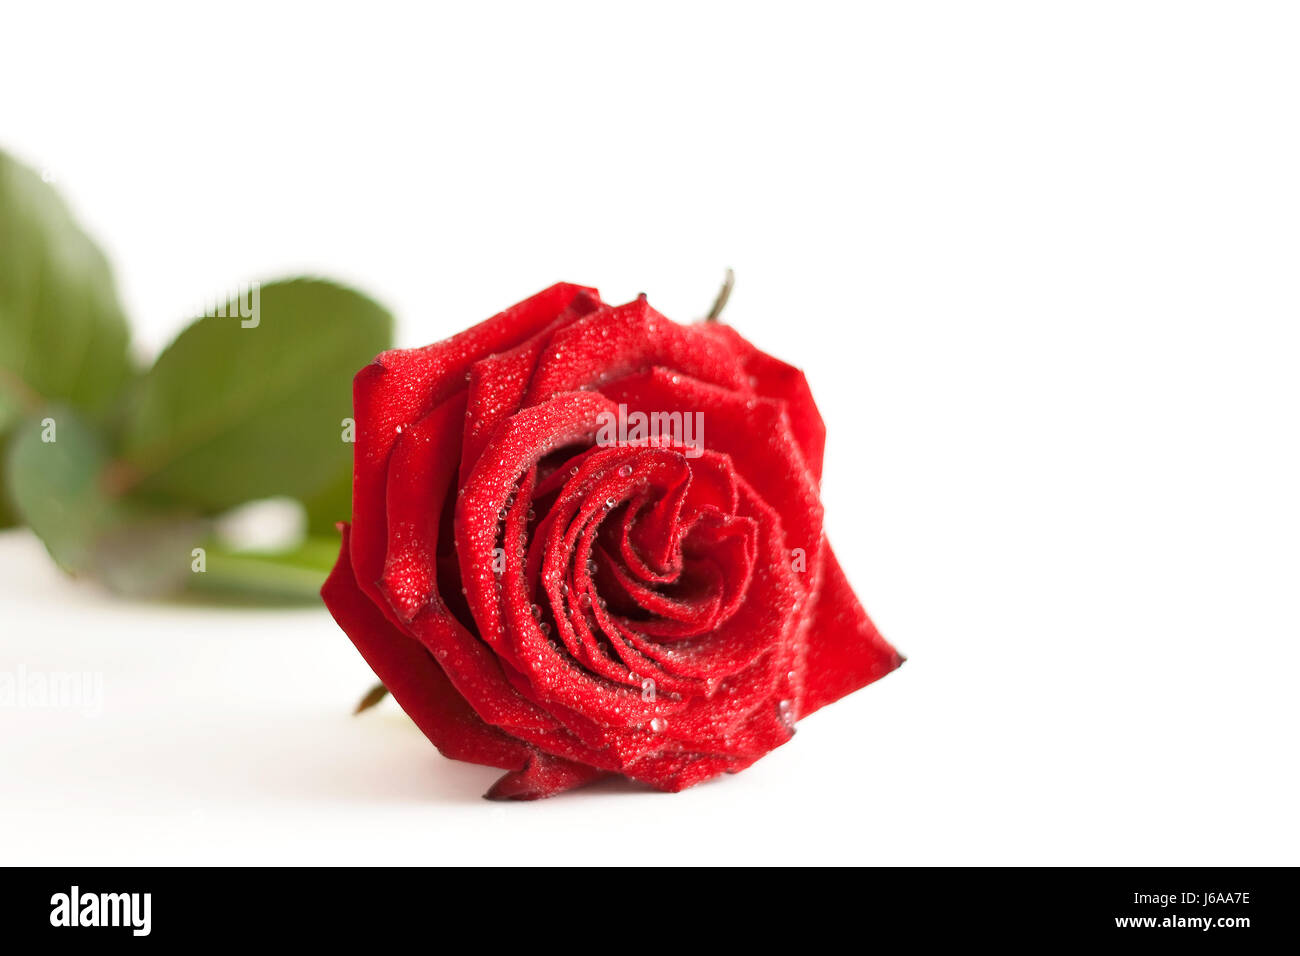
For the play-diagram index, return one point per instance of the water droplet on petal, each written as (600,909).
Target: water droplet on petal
(786,709)
(625,471)
(658,725)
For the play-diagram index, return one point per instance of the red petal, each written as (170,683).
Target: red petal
(420,687)
(845,651)
(543,777)
(400,387)
(772,378)
(414,678)
(621,340)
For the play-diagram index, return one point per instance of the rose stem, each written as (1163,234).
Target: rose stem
(724,294)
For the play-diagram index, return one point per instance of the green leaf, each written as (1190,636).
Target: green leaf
(63,336)
(53,468)
(286,576)
(332,504)
(146,554)
(240,409)
(8,516)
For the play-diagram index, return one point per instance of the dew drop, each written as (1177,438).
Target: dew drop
(625,471)
(658,725)
(786,709)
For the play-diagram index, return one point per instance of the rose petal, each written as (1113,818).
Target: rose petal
(772,378)
(414,678)
(845,651)
(400,387)
(543,777)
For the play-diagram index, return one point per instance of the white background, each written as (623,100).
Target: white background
(1039,262)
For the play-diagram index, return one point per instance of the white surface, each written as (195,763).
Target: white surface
(1039,262)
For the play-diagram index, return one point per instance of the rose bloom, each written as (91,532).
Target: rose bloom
(543,599)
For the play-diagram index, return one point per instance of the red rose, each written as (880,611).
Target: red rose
(587,540)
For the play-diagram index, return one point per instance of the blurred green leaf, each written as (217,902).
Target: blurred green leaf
(8,516)
(292,576)
(236,410)
(330,505)
(63,336)
(53,467)
(148,554)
